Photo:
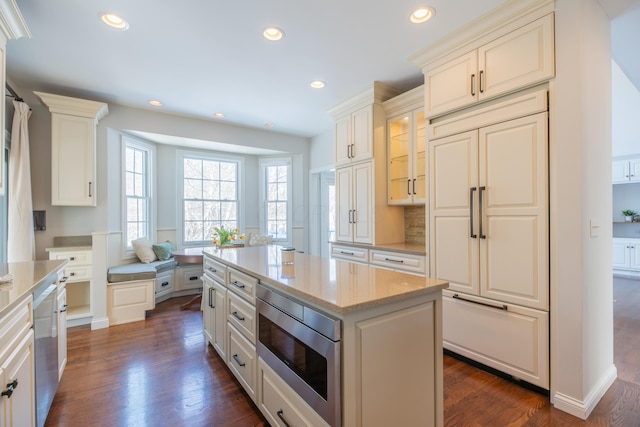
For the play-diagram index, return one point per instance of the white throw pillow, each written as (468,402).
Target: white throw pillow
(144,250)
(258,240)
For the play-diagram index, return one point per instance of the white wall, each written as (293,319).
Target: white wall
(624,109)
(322,151)
(580,193)
(106,216)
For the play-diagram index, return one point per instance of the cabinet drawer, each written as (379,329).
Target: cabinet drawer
(514,340)
(189,278)
(14,326)
(243,284)
(215,269)
(74,257)
(242,315)
(280,404)
(78,273)
(164,283)
(242,360)
(398,261)
(350,253)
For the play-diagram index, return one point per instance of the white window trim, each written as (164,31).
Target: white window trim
(128,140)
(276,161)
(180,155)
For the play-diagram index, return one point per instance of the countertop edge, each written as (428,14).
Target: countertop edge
(391,247)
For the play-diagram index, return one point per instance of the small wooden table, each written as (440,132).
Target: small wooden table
(189,256)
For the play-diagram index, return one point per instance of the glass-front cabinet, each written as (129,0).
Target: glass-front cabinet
(406,154)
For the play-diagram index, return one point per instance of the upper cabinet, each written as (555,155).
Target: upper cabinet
(73,148)
(12,26)
(626,171)
(520,58)
(355,123)
(406,148)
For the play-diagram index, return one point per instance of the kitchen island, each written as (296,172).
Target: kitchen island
(390,358)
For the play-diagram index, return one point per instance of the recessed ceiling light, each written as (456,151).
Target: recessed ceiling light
(269,125)
(422,14)
(155,103)
(113,20)
(273,33)
(317,84)
(218,116)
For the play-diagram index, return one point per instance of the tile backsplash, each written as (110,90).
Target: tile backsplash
(414,224)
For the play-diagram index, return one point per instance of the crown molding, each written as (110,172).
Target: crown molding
(12,24)
(73,106)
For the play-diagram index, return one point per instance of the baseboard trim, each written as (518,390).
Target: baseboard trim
(582,409)
(100,323)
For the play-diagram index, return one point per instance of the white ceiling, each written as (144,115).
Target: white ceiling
(200,57)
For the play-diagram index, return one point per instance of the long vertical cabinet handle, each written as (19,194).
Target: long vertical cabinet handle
(353,149)
(482,235)
(350,220)
(481,81)
(409,187)
(354,217)
(471,234)
(90,189)
(473,85)
(211,290)
(414,186)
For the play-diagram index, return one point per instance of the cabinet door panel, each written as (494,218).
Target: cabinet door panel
(620,254)
(634,170)
(453,171)
(452,85)
(343,205)
(518,59)
(620,171)
(343,139)
(634,257)
(419,165)
(399,174)
(220,320)
(62,331)
(20,409)
(514,211)
(362,125)
(363,196)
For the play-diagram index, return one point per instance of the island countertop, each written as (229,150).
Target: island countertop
(27,276)
(334,285)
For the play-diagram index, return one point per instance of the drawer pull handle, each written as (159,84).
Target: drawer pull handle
(64,279)
(238,361)
(165,284)
(394,260)
(347,253)
(211,269)
(211,299)
(237,284)
(193,278)
(281,416)
(10,388)
(72,274)
(72,258)
(237,316)
(498,307)
(63,308)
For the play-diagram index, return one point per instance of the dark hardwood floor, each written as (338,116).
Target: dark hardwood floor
(160,372)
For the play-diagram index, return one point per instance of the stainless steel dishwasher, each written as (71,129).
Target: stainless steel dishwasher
(45,328)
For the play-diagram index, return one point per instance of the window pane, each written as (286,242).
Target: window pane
(210,198)
(282,191)
(281,208)
(272,191)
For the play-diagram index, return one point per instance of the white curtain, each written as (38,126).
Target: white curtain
(21,241)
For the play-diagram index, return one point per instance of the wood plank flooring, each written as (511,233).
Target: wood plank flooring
(160,372)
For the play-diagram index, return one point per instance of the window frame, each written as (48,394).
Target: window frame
(209,156)
(264,163)
(150,151)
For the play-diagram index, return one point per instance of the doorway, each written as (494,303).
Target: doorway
(322,211)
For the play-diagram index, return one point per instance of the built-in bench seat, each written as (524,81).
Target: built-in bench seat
(139,271)
(131,289)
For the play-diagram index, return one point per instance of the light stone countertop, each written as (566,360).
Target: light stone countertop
(27,276)
(337,286)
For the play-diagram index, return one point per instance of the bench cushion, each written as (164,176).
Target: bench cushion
(139,270)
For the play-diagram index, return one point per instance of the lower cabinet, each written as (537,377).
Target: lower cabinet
(280,405)
(398,261)
(164,284)
(62,328)
(215,315)
(626,256)
(128,301)
(507,337)
(17,381)
(242,360)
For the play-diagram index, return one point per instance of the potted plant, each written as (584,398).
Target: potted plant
(629,214)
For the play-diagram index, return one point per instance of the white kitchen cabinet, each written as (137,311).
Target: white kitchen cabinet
(164,285)
(354,193)
(62,327)
(489,238)
(398,261)
(79,271)
(626,256)
(350,253)
(73,148)
(354,136)
(17,364)
(518,59)
(489,211)
(214,315)
(188,278)
(406,148)
(625,171)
